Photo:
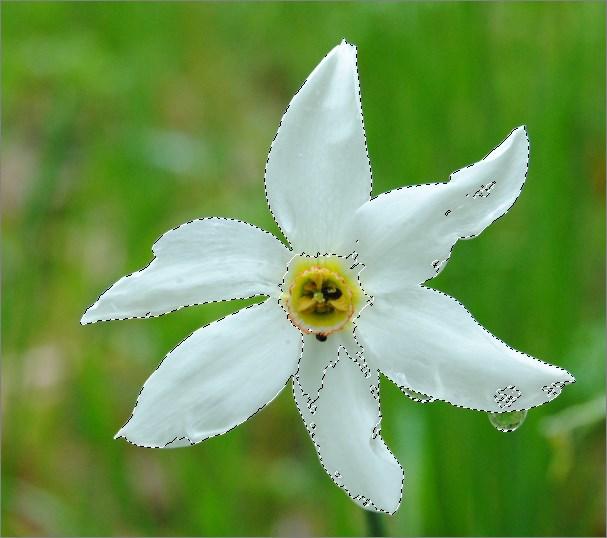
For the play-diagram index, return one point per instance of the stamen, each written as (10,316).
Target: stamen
(331,292)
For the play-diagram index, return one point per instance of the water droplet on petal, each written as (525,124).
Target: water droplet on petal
(418,396)
(507,422)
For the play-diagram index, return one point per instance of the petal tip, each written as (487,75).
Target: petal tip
(122,431)
(569,378)
(87,318)
(134,440)
(388,509)
(94,313)
(563,376)
(346,44)
(393,507)
(344,49)
(519,134)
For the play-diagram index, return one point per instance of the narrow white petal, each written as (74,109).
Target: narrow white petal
(405,236)
(426,341)
(216,379)
(318,172)
(204,260)
(344,425)
(317,357)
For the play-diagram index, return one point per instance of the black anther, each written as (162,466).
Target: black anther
(331,293)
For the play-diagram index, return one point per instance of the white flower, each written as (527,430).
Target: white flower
(318,182)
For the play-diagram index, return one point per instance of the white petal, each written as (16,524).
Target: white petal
(406,235)
(317,357)
(344,426)
(216,379)
(201,261)
(426,341)
(318,172)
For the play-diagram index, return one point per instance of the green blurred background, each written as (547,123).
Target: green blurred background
(124,120)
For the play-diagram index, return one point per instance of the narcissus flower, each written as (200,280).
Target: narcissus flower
(344,302)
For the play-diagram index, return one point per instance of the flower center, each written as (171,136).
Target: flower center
(322,296)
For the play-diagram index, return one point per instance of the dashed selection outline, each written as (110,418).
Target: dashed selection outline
(483,191)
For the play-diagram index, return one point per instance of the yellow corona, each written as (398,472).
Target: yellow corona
(322,295)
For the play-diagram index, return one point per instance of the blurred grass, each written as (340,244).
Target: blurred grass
(123,120)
